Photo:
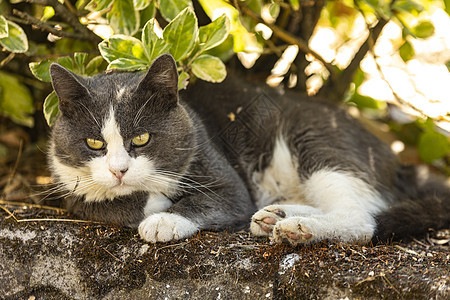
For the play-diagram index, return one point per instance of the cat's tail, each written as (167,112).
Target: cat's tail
(425,205)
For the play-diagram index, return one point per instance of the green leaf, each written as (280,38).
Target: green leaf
(94,65)
(243,40)
(67,62)
(181,34)
(214,33)
(274,10)
(295,4)
(127,64)
(3,27)
(406,51)
(51,108)
(80,61)
(447,6)
(15,100)
(123,18)
(432,145)
(408,6)
(183,80)
(147,13)
(153,45)
(122,46)
(41,70)
(447,64)
(209,68)
(141,4)
(359,78)
(98,5)
(423,30)
(48,13)
(17,40)
(362,101)
(171,8)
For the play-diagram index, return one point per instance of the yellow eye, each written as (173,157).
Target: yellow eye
(94,144)
(141,140)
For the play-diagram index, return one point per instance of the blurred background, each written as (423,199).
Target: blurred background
(387,61)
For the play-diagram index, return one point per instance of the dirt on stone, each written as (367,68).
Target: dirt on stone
(101,261)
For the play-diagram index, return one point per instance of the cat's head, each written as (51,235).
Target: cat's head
(120,133)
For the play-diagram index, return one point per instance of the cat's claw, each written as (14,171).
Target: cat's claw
(293,231)
(164,227)
(264,220)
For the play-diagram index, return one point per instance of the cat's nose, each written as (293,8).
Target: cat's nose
(118,173)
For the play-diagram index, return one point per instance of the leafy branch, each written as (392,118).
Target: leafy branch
(80,30)
(335,89)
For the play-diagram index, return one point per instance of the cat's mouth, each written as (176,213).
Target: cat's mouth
(122,188)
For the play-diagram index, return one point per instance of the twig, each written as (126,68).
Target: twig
(7,59)
(58,220)
(70,17)
(291,39)
(394,93)
(9,213)
(15,203)
(30,20)
(112,254)
(354,251)
(168,246)
(390,284)
(335,89)
(420,243)
(408,250)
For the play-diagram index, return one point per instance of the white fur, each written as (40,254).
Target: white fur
(270,215)
(330,204)
(117,157)
(120,92)
(164,227)
(156,203)
(280,179)
(96,181)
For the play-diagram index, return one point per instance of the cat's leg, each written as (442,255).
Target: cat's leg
(264,220)
(160,226)
(227,207)
(348,204)
(164,227)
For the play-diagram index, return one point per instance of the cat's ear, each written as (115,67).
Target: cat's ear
(161,78)
(67,86)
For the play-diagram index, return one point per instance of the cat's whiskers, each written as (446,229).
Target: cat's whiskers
(185,177)
(92,115)
(196,188)
(138,117)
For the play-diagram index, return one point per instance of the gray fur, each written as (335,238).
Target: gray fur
(193,136)
(216,199)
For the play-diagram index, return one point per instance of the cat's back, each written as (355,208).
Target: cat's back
(247,119)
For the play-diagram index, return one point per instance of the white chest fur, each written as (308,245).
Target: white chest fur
(280,180)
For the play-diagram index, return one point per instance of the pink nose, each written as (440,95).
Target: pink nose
(118,173)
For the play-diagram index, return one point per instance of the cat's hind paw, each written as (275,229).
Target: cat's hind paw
(264,220)
(164,227)
(293,231)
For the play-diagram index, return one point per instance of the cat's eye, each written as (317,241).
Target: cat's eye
(140,140)
(94,144)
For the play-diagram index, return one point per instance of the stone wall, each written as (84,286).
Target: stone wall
(73,260)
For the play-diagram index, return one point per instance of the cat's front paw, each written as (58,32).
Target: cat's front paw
(293,230)
(164,227)
(264,220)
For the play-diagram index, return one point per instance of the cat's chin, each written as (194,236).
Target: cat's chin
(99,194)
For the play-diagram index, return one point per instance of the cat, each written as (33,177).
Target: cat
(128,148)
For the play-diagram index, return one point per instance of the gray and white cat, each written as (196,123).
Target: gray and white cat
(127,149)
